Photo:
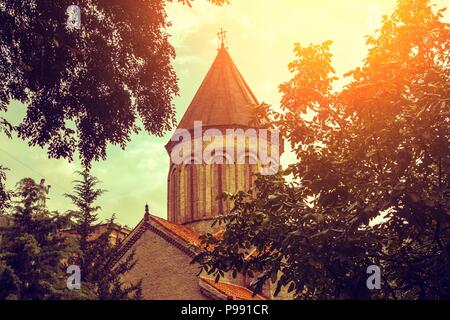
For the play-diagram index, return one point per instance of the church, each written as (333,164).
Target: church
(164,248)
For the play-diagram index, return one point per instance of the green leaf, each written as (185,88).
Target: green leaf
(291,287)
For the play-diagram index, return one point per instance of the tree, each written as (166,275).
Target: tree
(87,87)
(108,278)
(4,194)
(84,196)
(95,255)
(31,251)
(371,181)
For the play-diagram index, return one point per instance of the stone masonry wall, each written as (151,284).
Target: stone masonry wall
(164,269)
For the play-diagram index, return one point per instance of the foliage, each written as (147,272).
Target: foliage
(85,88)
(89,87)
(96,254)
(4,194)
(84,196)
(371,181)
(34,254)
(106,275)
(31,250)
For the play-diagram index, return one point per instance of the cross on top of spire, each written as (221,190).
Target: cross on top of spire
(147,213)
(222,35)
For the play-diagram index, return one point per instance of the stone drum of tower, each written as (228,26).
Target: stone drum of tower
(221,122)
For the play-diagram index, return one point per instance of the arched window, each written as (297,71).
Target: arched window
(246,168)
(192,186)
(173,191)
(248,176)
(191,191)
(252,167)
(218,183)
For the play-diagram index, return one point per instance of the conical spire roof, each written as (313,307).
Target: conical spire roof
(223,99)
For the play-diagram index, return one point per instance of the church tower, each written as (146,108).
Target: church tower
(223,102)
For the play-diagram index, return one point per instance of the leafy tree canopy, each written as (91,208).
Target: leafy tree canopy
(371,181)
(86,88)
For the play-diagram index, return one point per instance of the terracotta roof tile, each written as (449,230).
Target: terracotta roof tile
(219,234)
(232,290)
(188,235)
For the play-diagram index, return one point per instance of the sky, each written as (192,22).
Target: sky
(261,36)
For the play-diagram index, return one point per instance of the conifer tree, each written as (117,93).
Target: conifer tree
(84,196)
(4,196)
(106,275)
(96,255)
(31,251)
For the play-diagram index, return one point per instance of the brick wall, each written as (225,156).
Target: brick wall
(164,269)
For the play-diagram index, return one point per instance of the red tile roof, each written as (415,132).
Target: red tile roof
(219,234)
(188,235)
(232,291)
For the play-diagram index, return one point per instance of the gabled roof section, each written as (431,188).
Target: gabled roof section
(180,236)
(226,290)
(186,240)
(188,235)
(223,99)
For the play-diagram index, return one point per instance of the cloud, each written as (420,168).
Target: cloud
(261,34)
